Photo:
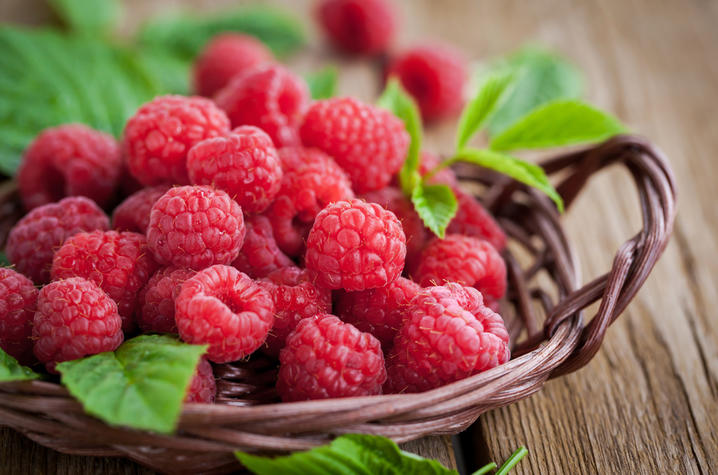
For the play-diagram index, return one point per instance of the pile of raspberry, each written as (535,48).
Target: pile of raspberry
(264,223)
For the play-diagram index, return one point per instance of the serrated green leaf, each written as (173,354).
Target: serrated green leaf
(88,16)
(436,205)
(4,262)
(520,170)
(541,76)
(141,384)
(323,83)
(396,100)
(492,92)
(558,123)
(186,34)
(351,454)
(11,370)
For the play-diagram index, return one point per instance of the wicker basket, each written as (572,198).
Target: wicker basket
(555,339)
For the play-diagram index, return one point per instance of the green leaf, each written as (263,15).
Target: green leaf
(525,172)
(323,83)
(88,16)
(141,385)
(493,91)
(186,34)
(347,455)
(436,205)
(11,370)
(47,78)
(396,100)
(561,122)
(541,76)
(4,262)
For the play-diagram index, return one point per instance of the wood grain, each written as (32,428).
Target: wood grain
(648,402)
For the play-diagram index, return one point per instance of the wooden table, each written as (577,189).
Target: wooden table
(648,402)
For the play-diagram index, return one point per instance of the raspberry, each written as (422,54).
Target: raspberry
(203,387)
(159,135)
(244,164)
(370,144)
(225,56)
(18,300)
(195,227)
(416,234)
(156,300)
(435,76)
(311,181)
(225,309)
(69,160)
(268,96)
(74,319)
(327,358)
(117,262)
(259,254)
(448,335)
(295,297)
(464,259)
(133,214)
(428,161)
(358,26)
(378,311)
(355,245)
(472,219)
(35,238)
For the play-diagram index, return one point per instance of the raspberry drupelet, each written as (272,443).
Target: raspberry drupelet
(69,160)
(195,227)
(223,308)
(472,219)
(358,26)
(156,300)
(203,387)
(243,163)
(260,254)
(133,214)
(33,241)
(327,358)
(18,301)
(355,245)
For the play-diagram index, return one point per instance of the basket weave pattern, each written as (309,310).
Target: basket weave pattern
(550,337)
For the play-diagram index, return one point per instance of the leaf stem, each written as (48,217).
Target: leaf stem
(512,461)
(443,164)
(485,469)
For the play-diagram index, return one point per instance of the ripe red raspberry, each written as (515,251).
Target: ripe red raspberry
(416,233)
(243,163)
(18,300)
(35,238)
(378,311)
(428,161)
(435,76)
(203,387)
(448,335)
(159,135)
(117,262)
(311,181)
(133,214)
(355,245)
(156,300)
(268,96)
(225,56)
(472,219)
(69,160)
(327,358)
(295,297)
(464,259)
(225,309)
(358,26)
(195,227)
(74,319)
(370,144)
(259,254)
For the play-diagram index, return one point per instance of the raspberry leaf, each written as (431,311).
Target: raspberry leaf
(494,90)
(94,17)
(436,205)
(323,83)
(349,454)
(558,123)
(520,170)
(141,384)
(396,100)
(4,262)
(11,370)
